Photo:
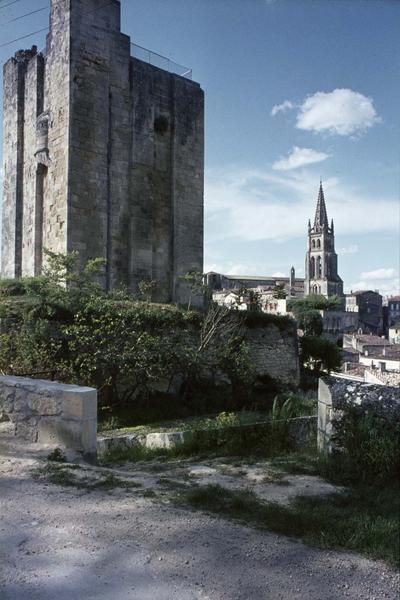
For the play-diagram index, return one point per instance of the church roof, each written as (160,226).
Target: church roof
(321,216)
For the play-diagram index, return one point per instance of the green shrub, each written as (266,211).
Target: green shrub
(370,448)
(318,353)
(63,322)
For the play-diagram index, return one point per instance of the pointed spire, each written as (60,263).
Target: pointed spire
(321,217)
(332,228)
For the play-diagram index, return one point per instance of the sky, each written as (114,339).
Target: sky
(296,90)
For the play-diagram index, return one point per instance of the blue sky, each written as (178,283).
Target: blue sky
(295,90)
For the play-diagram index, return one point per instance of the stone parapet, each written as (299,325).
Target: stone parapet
(49,412)
(336,393)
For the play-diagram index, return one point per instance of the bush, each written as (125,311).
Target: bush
(370,448)
(316,302)
(318,353)
(64,322)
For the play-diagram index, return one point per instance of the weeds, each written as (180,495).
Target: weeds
(57,455)
(66,476)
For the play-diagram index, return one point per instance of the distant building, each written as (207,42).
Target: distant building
(292,285)
(393,310)
(364,343)
(321,259)
(394,334)
(368,305)
(336,323)
(372,352)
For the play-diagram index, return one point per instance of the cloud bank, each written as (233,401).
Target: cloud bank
(250,205)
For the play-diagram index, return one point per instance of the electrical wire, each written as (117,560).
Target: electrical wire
(33,12)
(9,4)
(23,37)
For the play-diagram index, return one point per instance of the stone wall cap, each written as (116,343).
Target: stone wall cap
(26,382)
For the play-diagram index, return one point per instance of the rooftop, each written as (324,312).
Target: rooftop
(160,61)
(373,340)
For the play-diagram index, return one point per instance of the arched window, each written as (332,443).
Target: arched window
(313,244)
(312,267)
(318,244)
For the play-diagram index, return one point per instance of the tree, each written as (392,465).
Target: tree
(195,279)
(318,353)
(280,292)
(309,320)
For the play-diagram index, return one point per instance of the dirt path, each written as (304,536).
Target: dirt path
(63,543)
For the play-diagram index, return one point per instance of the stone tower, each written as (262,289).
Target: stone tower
(321,259)
(103,154)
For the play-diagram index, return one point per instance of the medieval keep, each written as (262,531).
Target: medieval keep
(103,154)
(321,259)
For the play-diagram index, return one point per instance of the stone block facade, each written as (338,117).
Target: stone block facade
(103,154)
(274,353)
(51,413)
(335,393)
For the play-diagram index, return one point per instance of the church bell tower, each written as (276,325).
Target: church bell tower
(321,259)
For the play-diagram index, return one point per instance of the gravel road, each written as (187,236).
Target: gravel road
(61,543)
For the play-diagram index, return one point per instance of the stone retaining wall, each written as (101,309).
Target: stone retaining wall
(51,413)
(274,353)
(335,393)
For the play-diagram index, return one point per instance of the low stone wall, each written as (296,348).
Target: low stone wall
(335,393)
(274,353)
(51,413)
(301,432)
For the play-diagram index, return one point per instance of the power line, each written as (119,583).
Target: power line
(9,4)
(23,37)
(33,12)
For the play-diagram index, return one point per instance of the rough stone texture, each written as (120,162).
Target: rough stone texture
(301,431)
(274,353)
(335,393)
(104,154)
(51,413)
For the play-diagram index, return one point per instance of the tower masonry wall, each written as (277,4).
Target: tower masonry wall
(104,155)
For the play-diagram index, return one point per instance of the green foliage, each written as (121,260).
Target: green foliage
(370,448)
(57,455)
(317,302)
(147,288)
(261,319)
(195,279)
(280,291)
(318,353)
(309,320)
(64,322)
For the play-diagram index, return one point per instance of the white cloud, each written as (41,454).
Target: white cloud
(385,280)
(352,249)
(286,105)
(342,112)
(279,274)
(378,274)
(389,287)
(299,157)
(250,205)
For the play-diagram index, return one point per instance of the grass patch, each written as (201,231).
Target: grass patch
(225,419)
(260,440)
(364,520)
(66,476)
